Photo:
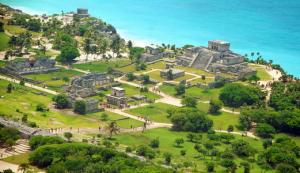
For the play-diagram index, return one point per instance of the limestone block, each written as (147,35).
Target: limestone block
(55,78)
(183,81)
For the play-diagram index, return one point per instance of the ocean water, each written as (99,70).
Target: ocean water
(271,27)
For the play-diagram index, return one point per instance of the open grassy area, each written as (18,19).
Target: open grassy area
(195,71)
(167,137)
(2,63)
(46,78)
(261,72)
(3,41)
(223,119)
(14,29)
(101,66)
(156,75)
(203,106)
(157,112)
(19,59)
(199,80)
(20,158)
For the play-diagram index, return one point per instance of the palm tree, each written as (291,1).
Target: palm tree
(257,53)
(103,47)
(43,49)
(112,128)
(9,53)
(94,49)
(129,44)
(169,46)
(252,54)
(23,167)
(87,47)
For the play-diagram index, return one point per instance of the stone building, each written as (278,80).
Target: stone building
(151,55)
(30,66)
(117,96)
(83,84)
(176,73)
(91,105)
(81,13)
(217,57)
(139,97)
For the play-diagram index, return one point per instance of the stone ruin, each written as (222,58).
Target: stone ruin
(152,54)
(81,13)
(30,66)
(139,97)
(176,73)
(217,57)
(83,84)
(91,105)
(117,96)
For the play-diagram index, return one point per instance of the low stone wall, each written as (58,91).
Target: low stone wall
(17,75)
(120,119)
(25,131)
(168,83)
(116,72)
(109,86)
(127,64)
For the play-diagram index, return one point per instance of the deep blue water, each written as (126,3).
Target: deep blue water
(271,27)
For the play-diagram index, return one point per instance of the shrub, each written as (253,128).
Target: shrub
(183,152)
(215,105)
(22,83)
(189,102)
(24,118)
(9,87)
(265,130)
(130,76)
(104,115)
(85,140)
(80,106)
(99,135)
(143,66)
(32,124)
(40,107)
(137,68)
(154,143)
(180,89)
(128,150)
(17,110)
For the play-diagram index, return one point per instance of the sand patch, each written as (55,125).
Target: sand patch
(90,119)
(34,113)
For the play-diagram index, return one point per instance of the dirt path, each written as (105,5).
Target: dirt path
(249,134)
(225,110)
(28,85)
(83,71)
(7,32)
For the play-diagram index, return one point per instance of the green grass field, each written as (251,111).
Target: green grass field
(20,158)
(3,41)
(14,29)
(46,78)
(223,119)
(156,75)
(261,72)
(101,66)
(167,137)
(199,80)
(2,63)
(157,112)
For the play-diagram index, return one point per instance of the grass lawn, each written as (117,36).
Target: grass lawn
(101,66)
(261,72)
(223,119)
(199,80)
(27,102)
(46,78)
(2,63)
(156,75)
(14,29)
(3,41)
(19,59)
(157,112)
(207,96)
(20,158)
(138,82)
(167,137)
(203,106)
(195,71)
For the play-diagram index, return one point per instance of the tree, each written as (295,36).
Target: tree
(168,157)
(282,168)
(110,69)
(230,128)
(9,87)
(227,137)
(265,130)
(239,147)
(179,141)
(87,47)
(104,115)
(138,68)
(203,152)
(267,143)
(203,77)
(23,167)
(215,105)
(170,74)
(128,150)
(168,46)
(196,147)
(183,152)
(154,143)
(80,106)
(189,102)
(143,66)
(130,76)
(210,167)
(180,89)
(112,128)
(266,167)
(209,146)
(82,29)
(68,135)
(10,142)
(129,44)
(150,101)
(145,77)
(252,54)
(68,54)
(103,47)
(253,77)
(246,167)
(252,151)
(101,94)
(61,100)
(190,136)
(66,79)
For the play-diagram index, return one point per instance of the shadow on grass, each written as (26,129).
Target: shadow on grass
(216,114)
(239,127)
(178,146)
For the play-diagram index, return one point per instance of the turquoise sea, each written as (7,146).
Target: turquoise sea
(271,27)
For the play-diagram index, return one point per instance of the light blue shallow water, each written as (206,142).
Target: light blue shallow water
(271,27)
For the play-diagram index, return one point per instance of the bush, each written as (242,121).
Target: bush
(17,110)
(104,115)
(265,130)
(143,66)
(32,124)
(183,152)
(128,150)
(22,83)
(130,76)
(9,87)
(154,143)
(189,102)
(180,89)
(24,118)
(230,128)
(99,135)
(85,140)
(137,68)
(40,107)
(215,105)
(80,106)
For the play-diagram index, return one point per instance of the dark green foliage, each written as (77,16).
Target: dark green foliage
(265,130)
(128,150)
(80,106)
(168,157)
(68,53)
(237,94)
(215,105)
(9,87)
(34,25)
(82,29)
(40,107)
(230,128)
(101,94)
(191,136)
(187,46)
(267,143)
(68,135)
(179,141)
(22,83)
(143,66)
(180,89)
(85,140)
(145,77)
(136,52)
(189,102)
(227,163)
(130,76)
(221,83)
(66,38)
(61,100)
(227,155)
(282,168)
(210,167)
(227,137)
(24,118)
(144,150)
(39,140)
(239,147)
(154,143)
(138,68)
(183,152)
(32,124)
(253,77)
(191,119)
(7,171)
(170,74)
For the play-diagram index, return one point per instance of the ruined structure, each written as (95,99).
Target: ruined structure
(30,66)
(139,97)
(91,105)
(117,96)
(176,73)
(217,57)
(151,55)
(83,84)
(81,13)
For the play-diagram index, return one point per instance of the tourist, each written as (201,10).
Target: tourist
(99,128)
(232,110)
(71,128)
(131,126)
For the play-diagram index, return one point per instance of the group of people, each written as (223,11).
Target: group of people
(156,90)
(56,129)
